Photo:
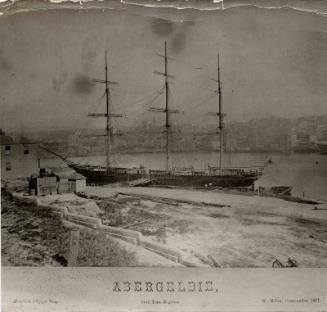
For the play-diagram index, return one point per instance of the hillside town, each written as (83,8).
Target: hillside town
(273,134)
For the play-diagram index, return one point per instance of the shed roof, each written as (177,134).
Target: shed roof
(8,140)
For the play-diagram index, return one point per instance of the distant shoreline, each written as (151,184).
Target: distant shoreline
(188,151)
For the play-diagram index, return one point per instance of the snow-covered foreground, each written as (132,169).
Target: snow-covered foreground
(246,203)
(32,235)
(248,231)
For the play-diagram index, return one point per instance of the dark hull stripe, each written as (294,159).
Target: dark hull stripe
(103,177)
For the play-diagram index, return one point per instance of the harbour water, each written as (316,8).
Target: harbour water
(306,173)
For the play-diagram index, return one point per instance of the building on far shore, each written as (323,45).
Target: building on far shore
(18,157)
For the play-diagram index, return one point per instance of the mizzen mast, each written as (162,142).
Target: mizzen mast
(220,115)
(107,111)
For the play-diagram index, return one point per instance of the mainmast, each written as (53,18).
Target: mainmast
(167,125)
(108,114)
(166,110)
(220,115)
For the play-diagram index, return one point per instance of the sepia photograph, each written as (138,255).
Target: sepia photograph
(164,134)
(152,136)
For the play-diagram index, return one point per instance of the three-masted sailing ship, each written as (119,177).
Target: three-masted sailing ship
(213,176)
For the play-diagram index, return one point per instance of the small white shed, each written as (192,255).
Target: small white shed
(78,182)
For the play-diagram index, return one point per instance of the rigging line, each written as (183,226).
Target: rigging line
(98,102)
(147,99)
(150,100)
(94,108)
(158,92)
(174,119)
(200,104)
(188,81)
(99,74)
(206,100)
(95,104)
(201,100)
(153,99)
(198,67)
(203,97)
(194,65)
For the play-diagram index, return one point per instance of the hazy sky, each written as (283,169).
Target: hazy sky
(273,62)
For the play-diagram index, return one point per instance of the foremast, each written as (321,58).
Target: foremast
(108,115)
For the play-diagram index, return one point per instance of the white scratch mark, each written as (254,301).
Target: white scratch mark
(210,6)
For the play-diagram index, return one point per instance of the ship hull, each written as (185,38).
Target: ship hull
(204,181)
(105,176)
(170,179)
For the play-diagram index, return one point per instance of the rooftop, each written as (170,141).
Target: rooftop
(8,140)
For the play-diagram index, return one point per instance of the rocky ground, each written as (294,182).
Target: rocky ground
(215,229)
(33,236)
(30,237)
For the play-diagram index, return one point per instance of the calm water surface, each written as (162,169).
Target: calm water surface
(307,173)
